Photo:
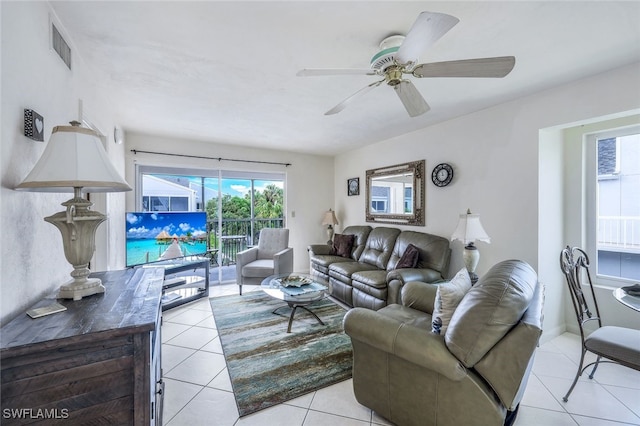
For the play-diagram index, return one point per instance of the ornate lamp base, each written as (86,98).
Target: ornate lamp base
(77,290)
(78,227)
(330,235)
(471,256)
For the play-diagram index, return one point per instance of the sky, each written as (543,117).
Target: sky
(150,224)
(234,187)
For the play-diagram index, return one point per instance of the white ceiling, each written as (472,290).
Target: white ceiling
(226,71)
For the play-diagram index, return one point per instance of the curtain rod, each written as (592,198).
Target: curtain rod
(135,151)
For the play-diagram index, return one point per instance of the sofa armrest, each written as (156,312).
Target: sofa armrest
(319,249)
(283,261)
(425,275)
(397,278)
(420,296)
(410,343)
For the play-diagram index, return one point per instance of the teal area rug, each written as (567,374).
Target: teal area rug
(269,366)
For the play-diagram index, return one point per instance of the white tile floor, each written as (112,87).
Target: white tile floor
(198,390)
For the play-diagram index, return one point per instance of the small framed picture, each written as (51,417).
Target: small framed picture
(33,125)
(353,186)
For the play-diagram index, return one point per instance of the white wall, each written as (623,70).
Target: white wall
(551,195)
(495,155)
(33,76)
(309,180)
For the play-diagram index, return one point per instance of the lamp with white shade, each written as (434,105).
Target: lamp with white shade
(469,230)
(75,161)
(330,220)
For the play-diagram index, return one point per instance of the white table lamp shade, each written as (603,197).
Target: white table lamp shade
(470,229)
(330,218)
(74,158)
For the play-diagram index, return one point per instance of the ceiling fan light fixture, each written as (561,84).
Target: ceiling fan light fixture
(386,56)
(391,41)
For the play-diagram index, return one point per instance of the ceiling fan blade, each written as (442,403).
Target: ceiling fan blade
(497,67)
(427,29)
(412,100)
(342,105)
(310,72)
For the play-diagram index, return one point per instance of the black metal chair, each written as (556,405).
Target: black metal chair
(616,344)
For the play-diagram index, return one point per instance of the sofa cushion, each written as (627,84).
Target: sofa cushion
(448,296)
(409,258)
(490,309)
(258,268)
(345,270)
(321,262)
(361,234)
(375,278)
(380,243)
(325,260)
(343,244)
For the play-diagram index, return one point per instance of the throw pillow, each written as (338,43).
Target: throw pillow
(343,244)
(409,258)
(448,296)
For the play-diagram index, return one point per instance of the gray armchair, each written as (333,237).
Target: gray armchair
(272,256)
(474,374)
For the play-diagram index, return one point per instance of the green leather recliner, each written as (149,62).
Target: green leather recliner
(474,374)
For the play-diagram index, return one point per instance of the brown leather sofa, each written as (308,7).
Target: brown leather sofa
(368,277)
(474,374)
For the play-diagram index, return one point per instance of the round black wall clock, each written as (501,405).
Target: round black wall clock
(442,174)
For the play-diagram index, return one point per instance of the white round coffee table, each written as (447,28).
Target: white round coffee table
(297,290)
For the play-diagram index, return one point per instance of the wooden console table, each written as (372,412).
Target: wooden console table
(98,362)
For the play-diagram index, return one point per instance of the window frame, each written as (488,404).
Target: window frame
(590,211)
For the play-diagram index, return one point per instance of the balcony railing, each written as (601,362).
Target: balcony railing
(234,235)
(619,232)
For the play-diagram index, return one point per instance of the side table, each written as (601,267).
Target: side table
(295,297)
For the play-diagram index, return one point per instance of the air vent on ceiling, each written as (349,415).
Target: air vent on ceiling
(60,46)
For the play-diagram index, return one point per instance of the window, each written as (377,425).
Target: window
(615,241)
(379,206)
(165,204)
(238,205)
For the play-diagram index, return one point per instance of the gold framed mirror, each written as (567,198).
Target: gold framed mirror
(395,194)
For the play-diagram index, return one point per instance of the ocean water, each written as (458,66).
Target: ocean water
(141,251)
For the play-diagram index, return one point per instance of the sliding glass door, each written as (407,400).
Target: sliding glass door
(238,206)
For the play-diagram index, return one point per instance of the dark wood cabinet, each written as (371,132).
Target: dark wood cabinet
(98,362)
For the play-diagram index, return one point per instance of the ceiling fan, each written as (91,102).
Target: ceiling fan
(398,56)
